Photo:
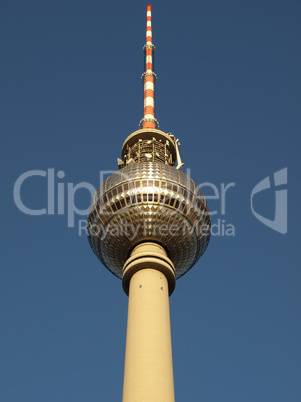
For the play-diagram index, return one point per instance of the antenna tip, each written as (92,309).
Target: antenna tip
(148,7)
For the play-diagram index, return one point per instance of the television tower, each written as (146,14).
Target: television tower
(149,224)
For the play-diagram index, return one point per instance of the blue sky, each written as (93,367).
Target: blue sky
(229,88)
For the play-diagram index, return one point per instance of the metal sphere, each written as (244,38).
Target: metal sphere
(149,201)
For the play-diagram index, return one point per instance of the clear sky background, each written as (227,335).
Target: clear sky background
(229,88)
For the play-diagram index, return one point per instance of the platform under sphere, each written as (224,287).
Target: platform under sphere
(149,202)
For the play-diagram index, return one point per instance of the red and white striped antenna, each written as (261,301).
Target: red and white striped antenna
(149,77)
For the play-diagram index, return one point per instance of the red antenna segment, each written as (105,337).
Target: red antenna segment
(149,77)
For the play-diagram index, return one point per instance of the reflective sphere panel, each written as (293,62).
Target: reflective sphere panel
(149,202)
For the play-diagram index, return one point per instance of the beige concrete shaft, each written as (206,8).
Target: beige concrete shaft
(148,372)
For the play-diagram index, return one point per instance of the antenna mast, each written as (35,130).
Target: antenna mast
(149,77)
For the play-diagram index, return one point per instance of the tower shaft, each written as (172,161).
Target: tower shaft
(148,374)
